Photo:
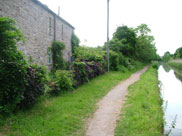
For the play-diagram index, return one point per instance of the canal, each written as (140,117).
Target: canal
(171,91)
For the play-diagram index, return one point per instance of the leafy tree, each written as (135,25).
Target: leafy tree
(127,37)
(145,48)
(178,53)
(166,57)
(142,30)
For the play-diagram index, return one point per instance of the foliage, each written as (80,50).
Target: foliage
(89,54)
(35,83)
(114,60)
(94,69)
(20,83)
(83,71)
(142,113)
(166,57)
(89,63)
(134,43)
(12,66)
(178,53)
(142,30)
(128,38)
(75,41)
(63,81)
(64,115)
(155,64)
(57,55)
(80,74)
(146,50)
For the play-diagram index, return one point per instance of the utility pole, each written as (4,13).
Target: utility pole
(108,35)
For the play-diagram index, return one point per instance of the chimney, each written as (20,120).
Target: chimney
(58,10)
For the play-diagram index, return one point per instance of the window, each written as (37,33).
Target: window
(50,26)
(49,54)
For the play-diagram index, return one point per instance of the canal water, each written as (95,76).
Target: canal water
(171,91)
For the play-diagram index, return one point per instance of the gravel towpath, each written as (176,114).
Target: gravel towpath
(104,119)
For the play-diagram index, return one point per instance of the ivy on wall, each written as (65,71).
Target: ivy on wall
(57,55)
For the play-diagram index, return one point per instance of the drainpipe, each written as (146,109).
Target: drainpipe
(54,27)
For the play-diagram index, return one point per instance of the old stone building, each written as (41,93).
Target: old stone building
(40,26)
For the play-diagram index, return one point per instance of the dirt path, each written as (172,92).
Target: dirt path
(103,122)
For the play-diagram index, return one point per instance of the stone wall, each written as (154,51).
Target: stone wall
(37,23)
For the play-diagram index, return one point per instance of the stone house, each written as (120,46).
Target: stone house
(40,26)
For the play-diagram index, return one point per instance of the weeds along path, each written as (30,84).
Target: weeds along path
(104,119)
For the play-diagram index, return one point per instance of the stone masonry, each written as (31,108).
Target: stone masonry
(40,26)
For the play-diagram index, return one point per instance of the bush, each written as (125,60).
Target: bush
(12,66)
(89,54)
(83,71)
(94,69)
(80,74)
(122,68)
(20,84)
(155,64)
(63,82)
(114,60)
(36,78)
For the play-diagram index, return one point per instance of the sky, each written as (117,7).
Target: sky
(89,19)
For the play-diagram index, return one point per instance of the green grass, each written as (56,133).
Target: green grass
(142,113)
(175,65)
(65,115)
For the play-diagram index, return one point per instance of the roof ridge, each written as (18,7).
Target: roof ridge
(52,12)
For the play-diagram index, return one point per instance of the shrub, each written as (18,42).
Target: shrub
(94,69)
(155,64)
(89,54)
(114,60)
(57,56)
(12,66)
(20,84)
(35,78)
(122,68)
(80,74)
(122,59)
(63,81)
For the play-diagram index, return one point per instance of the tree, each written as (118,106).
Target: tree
(127,37)
(142,30)
(145,48)
(178,53)
(166,57)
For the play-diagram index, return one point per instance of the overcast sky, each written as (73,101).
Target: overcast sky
(164,18)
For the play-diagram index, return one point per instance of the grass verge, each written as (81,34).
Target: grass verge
(142,113)
(175,65)
(64,115)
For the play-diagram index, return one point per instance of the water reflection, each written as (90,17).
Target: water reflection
(171,91)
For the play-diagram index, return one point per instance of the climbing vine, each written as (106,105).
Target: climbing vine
(57,55)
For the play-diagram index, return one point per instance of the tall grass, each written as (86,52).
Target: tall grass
(142,114)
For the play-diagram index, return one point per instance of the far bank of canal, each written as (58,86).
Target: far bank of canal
(171,90)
